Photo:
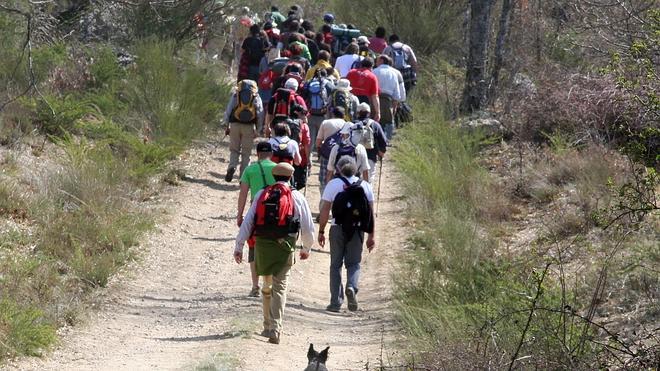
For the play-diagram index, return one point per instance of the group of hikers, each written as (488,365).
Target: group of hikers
(333,95)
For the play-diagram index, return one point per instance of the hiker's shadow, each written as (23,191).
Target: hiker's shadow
(212,184)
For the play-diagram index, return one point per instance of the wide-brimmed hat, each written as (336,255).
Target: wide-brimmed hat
(283,169)
(343,84)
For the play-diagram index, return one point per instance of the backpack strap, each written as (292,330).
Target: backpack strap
(346,182)
(263,174)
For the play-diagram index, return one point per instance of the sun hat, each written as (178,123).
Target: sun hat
(363,40)
(343,84)
(364,107)
(283,169)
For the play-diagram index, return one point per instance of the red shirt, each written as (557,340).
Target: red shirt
(363,82)
(377,44)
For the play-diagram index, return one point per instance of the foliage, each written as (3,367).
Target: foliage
(23,330)
(428,25)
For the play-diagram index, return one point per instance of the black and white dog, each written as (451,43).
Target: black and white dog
(316,359)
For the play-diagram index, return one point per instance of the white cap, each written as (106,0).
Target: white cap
(291,84)
(363,40)
(364,107)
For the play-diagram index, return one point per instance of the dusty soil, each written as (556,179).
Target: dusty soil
(184,304)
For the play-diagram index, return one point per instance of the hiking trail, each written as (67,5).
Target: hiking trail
(183,305)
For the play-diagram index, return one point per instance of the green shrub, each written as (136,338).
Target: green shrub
(23,330)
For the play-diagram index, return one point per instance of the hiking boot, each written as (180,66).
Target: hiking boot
(230,174)
(255,292)
(266,333)
(333,308)
(352,300)
(274,337)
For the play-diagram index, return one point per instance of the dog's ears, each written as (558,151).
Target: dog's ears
(323,356)
(311,353)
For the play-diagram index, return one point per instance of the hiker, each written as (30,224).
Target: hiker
(255,177)
(296,49)
(364,50)
(254,49)
(378,42)
(276,217)
(404,60)
(244,111)
(345,62)
(317,93)
(365,86)
(285,149)
(292,70)
(351,201)
(342,97)
(240,29)
(278,17)
(392,92)
(326,138)
(371,137)
(299,131)
(323,62)
(347,147)
(281,104)
(313,47)
(201,32)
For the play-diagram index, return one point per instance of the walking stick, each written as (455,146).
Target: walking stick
(380,177)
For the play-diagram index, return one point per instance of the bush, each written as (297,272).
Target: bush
(23,330)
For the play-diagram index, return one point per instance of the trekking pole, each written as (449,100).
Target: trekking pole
(380,177)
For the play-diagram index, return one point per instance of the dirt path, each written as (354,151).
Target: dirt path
(185,305)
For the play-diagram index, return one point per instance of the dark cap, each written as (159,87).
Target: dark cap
(264,147)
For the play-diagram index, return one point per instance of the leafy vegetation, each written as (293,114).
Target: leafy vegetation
(114,128)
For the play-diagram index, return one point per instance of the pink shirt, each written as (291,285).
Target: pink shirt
(377,44)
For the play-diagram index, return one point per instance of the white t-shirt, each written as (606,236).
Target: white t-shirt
(344,63)
(336,185)
(361,159)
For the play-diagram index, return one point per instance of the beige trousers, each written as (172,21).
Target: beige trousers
(274,296)
(241,141)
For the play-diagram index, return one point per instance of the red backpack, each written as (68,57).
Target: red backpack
(285,100)
(266,80)
(274,216)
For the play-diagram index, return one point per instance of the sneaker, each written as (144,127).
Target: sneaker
(333,308)
(255,292)
(352,300)
(230,174)
(274,337)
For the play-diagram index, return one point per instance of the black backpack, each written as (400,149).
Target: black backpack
(294,129)
(352,211)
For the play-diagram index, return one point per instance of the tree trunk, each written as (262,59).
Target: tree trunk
(500,49)
(476,86)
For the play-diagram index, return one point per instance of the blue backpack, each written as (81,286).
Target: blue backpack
(318,97)
(399,58)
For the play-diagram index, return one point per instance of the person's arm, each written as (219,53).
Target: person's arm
(381,140)
(297,159)
(412,59)
(230,108)
(402,87)
(245,231)
(331,164)
(324,216)
(371,237)
(259,107)
(306,224)
(375,104)
(362,162)
(242,200)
